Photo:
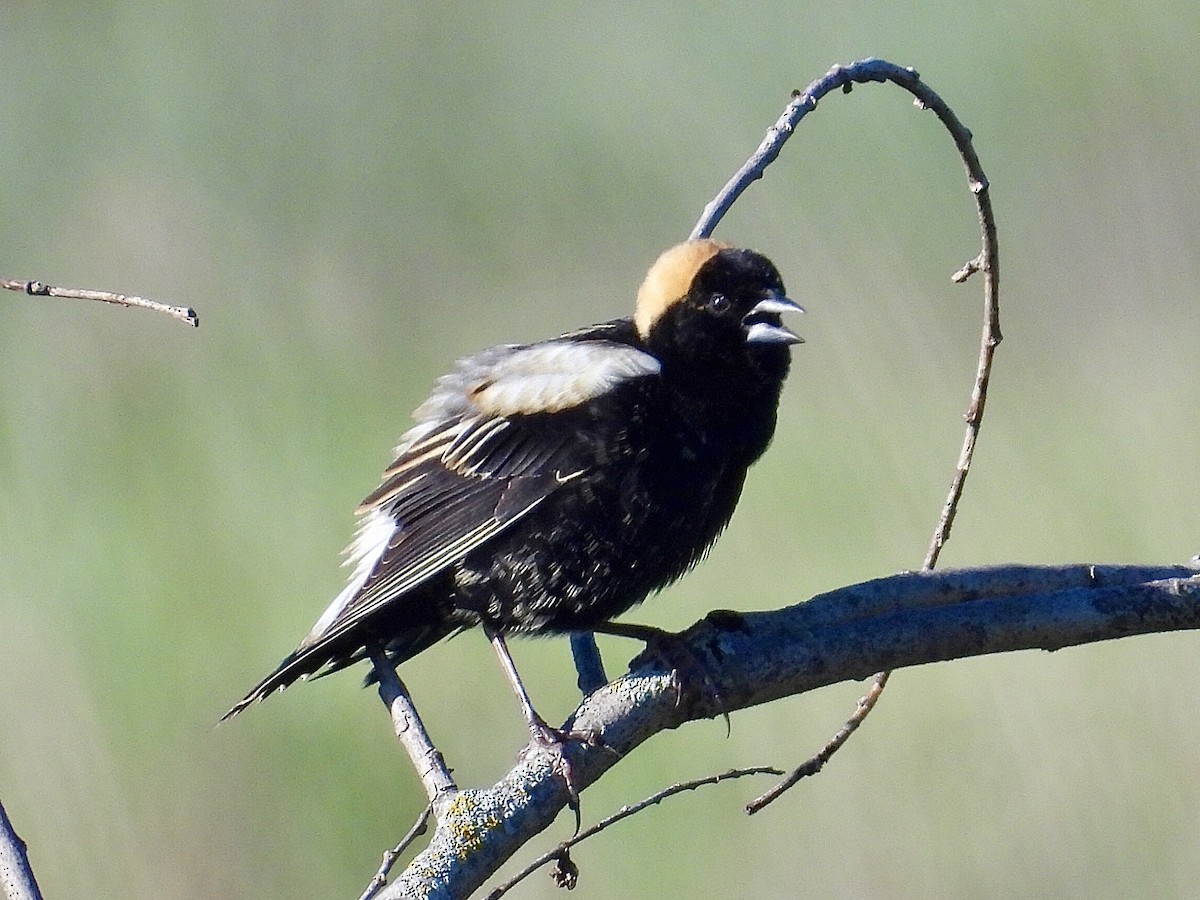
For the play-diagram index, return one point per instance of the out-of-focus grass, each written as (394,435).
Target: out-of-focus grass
(353,195)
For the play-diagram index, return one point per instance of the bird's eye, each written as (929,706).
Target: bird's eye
(718,303)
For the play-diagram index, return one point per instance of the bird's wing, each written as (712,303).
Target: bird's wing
(487,449)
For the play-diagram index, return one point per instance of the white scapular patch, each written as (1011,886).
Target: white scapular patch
(370,541)
(556,375)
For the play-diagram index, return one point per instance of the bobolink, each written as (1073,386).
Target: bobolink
(549,487)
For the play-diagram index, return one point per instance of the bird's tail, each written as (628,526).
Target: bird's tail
(327,657)
(300,664)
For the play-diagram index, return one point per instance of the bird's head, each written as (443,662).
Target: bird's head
(707,302)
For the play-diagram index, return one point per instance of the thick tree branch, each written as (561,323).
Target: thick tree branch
(903,620)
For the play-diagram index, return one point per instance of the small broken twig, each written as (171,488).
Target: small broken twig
(378,882)
(41,289)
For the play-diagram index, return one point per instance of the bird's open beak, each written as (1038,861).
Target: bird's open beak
(763,325)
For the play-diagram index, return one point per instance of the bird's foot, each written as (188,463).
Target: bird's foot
(543,737)
(689,669)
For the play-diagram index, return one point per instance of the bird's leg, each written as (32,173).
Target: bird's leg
(588,663)
(537,725)
(542,734)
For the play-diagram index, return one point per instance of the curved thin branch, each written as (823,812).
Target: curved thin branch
(988,261)
(903,620)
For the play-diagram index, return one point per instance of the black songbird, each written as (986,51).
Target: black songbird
(549,487)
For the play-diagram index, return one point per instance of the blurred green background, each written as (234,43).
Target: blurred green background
(354,194)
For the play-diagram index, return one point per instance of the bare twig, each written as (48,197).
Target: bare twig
(16,875)
(426,758)
(378,882)
(40,289)
(817,761)
(969,268)
(560,852)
